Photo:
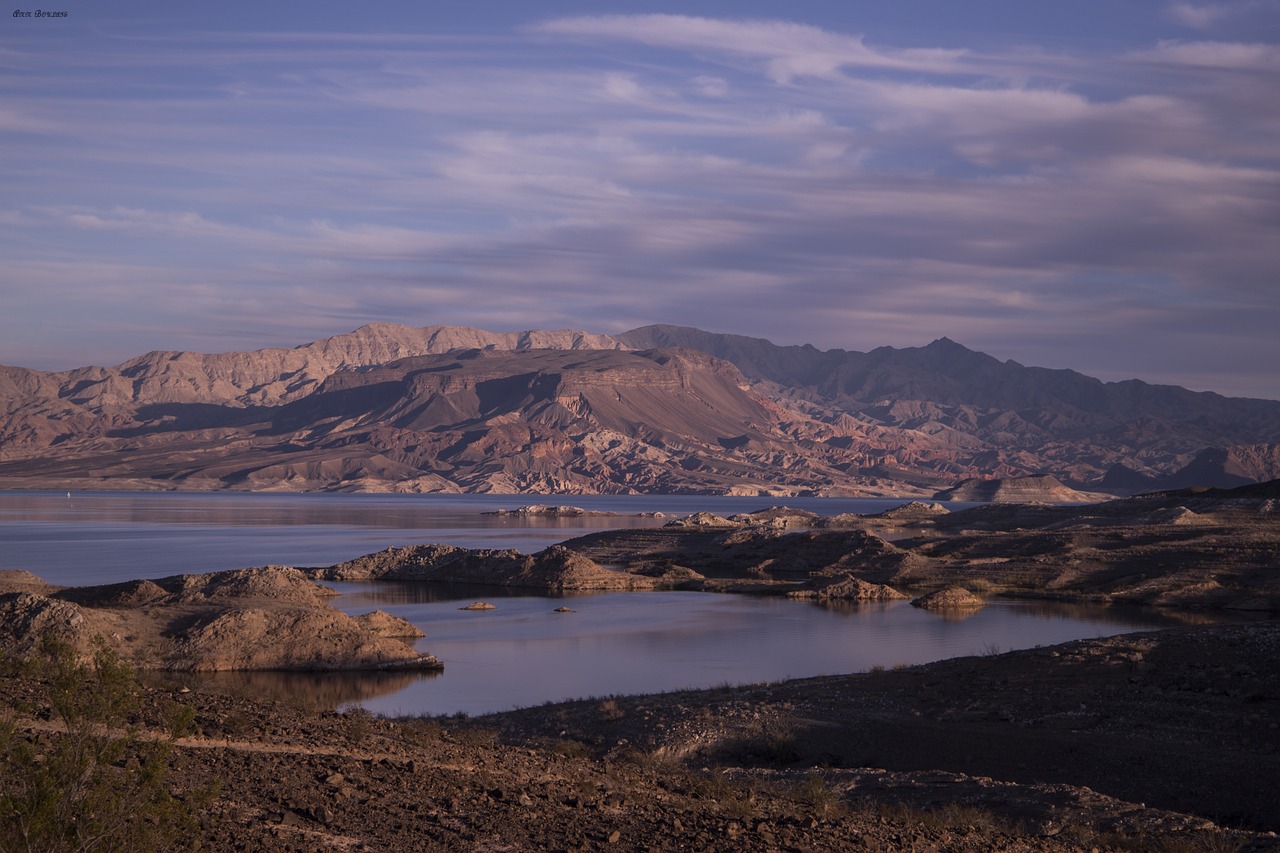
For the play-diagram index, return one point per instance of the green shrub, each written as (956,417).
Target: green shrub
(814,790)
(92,782)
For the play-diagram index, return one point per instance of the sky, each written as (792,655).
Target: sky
(1087,185)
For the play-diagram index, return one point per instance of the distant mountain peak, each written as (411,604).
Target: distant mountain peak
(885,422)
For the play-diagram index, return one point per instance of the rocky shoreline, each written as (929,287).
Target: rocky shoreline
(1193,549)
(1165,741)
(1161,741)
(271,618)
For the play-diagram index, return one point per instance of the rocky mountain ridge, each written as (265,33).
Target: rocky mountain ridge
(1031,420)
(662,408)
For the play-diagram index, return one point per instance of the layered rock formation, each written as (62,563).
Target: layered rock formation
(1002,419)
(546,421)
(1017,490)
(743,550)
(658,409)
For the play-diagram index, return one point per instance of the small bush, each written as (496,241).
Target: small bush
(94,783)
(814,791)
(713,785)
(570,748)
(358,725)
(179,719)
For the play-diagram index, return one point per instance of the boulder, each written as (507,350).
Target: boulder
(383,624)
(27,617)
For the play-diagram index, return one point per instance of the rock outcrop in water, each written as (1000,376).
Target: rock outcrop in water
(555,569)
(270,618)
(846,588)
(546,511)
(949,598)
(746,552)
(384,624)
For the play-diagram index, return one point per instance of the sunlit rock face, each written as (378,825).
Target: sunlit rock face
(658,409)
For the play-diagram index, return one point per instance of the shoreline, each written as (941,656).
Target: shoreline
(1166,739)
(1032,750)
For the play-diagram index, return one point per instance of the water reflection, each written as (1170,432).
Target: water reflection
(372,595)
(1128,616)
(386,511)
(953,614)
(523,653)
(323,691)
(105,537)
(852,608)
(258,510)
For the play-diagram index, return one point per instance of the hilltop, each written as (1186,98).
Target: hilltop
(656,409)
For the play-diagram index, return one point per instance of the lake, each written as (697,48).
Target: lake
(522,653)
(105,537)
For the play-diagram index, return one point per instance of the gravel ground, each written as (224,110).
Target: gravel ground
(1163,741)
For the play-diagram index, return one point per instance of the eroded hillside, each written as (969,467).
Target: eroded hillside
(662,408)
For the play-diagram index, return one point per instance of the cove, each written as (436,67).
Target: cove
(523,653)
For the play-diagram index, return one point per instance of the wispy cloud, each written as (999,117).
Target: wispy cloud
(765,177)
(1211,54)
(1199,16)
(788,50)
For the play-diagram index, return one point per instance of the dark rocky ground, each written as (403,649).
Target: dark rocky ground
(1163,741)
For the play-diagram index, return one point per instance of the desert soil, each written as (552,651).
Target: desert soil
(1161,741)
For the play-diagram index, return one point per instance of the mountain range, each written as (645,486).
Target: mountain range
(655,409)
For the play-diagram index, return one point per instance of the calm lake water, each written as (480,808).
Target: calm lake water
(104,537)
(521,653)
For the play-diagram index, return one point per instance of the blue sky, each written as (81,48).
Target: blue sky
(1087,185)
